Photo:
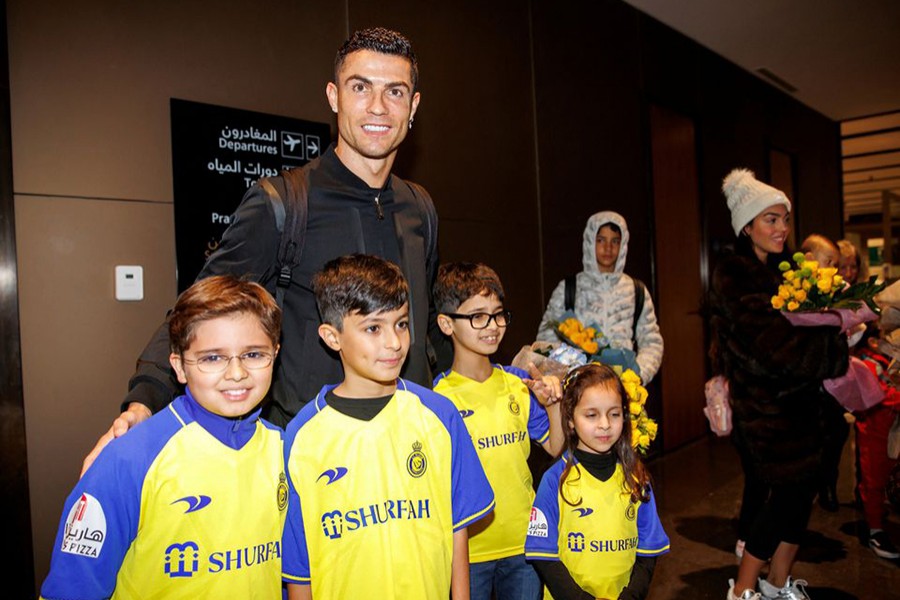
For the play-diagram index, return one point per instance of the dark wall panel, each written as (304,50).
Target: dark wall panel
(14,493)
(589,126)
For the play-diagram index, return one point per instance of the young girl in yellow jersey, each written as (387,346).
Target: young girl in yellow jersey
(594,531)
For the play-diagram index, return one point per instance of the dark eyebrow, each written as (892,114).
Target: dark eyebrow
(359,78)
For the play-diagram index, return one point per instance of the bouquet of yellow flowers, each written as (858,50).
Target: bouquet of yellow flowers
(643,428)
(573,332)
(811,296)
(808,287)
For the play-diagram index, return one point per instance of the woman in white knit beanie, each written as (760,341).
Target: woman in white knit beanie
(774,372)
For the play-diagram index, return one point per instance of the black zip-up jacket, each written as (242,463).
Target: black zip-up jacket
(345,216)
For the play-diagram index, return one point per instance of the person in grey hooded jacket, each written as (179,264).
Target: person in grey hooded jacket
(605,295)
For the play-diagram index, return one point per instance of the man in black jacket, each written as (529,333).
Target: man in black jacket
(354,205)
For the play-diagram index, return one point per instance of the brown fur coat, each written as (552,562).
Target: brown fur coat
(775,371)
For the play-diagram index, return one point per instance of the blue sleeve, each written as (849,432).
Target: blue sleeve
(538,421)
(100,517)
(295,552)
(542,540)
(652,539)
(472,496)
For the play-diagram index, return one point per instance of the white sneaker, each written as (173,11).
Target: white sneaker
(791,590)
(747,595)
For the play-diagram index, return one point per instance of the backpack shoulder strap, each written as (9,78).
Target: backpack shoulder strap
(426,207)
(569,299)
(639,291)
(289,196)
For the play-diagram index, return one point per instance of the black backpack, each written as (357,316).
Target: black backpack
(639,290)
(289,196)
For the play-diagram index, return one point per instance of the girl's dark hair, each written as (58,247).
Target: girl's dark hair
(637,478)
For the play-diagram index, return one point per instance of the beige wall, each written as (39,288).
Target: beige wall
(90,86)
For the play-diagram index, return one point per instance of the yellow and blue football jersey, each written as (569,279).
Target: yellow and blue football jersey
(501,415)
(189,504)
(598,539)
(374,504)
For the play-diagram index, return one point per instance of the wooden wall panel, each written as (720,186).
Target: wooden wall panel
(679,287)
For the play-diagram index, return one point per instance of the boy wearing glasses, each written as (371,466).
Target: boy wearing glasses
(501,414)
(384,481)
(192,504)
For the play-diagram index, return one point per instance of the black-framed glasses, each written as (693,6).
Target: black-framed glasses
(481,320)
(217,363)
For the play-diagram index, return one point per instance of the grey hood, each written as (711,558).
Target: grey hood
(589,246)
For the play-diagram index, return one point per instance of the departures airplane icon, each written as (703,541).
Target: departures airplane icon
(292,142)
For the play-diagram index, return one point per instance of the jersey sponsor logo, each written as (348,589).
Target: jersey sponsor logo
(194,503)
(618,545)
(537,524)
(575,541)
(281,495)
(466,413)
(583,512)
(336,523)
(513,406)
(631,512)
(332,475)
(416,462)
(85,528)
(182,559)
(503,439)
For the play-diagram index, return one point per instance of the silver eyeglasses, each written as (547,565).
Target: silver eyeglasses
(217,363)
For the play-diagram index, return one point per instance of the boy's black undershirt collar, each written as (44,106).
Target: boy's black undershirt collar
(601,466)
(364,409)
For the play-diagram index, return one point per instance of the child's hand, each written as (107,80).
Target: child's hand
(547,388)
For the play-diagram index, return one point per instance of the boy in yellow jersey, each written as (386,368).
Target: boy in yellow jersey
(501,414)
(191,504)
(383,477)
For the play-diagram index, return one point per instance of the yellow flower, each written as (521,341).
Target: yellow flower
(827,272)
(789,275)
(800,296)
(784,291)
(838,281)
(807,285)
(630,376)
(812,265)
(590,347)
(635,408)
(644,440)
(792,305)
(824,285)
(651,428)
(777,302)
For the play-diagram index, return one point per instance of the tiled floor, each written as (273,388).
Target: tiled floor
(698,494)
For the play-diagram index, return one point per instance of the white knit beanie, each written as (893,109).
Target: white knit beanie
(747,197)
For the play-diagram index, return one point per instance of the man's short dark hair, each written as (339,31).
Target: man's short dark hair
(379,39)
(459,281)
(358,283)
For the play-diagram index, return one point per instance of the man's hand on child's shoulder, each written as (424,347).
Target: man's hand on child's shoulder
(136,413)
(547,388)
